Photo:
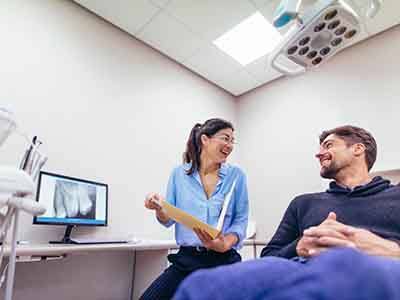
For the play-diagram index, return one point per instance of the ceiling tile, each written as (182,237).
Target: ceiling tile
(170,36)
(262,71)
(160,3)
(238,83)
(128,15)
(211,18)
(212,63)
(266,5)
(260,3)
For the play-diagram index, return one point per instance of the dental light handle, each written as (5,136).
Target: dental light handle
(274,55)
(374,7)
(284,69)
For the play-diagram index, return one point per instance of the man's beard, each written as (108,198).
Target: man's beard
(330,172)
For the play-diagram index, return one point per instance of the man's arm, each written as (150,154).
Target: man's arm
(284,241)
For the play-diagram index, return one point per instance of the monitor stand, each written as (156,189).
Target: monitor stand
(67,239)
(67,236)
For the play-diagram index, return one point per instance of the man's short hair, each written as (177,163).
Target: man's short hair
(353,135)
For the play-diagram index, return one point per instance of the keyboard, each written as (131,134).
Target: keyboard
(88,241)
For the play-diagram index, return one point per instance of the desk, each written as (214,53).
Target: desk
(101,271)
(59,249)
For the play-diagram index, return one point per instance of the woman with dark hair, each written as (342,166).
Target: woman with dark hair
(201,186)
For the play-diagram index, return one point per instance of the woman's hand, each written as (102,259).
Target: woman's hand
(153,201)
(221,243)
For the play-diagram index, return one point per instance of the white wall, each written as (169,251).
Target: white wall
(280,123)
(107,107)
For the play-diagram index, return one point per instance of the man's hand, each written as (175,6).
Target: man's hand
(322,237)
(372,244)
(221,243)
(332,233)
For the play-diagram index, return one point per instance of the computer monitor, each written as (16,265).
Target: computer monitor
(72,202)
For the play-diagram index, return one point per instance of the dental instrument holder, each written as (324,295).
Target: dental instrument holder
(323,30)
(31,158)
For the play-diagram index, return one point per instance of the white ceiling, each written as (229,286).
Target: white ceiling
(185,29)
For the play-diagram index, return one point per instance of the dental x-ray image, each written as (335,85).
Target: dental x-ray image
(73,200)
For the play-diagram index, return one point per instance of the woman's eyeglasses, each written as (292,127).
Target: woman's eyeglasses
(225,139)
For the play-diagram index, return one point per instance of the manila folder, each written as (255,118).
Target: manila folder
(188,220)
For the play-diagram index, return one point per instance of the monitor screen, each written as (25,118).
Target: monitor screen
(71,201)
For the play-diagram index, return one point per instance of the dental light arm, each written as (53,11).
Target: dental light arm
(286,12)
(17,189)
(318,33)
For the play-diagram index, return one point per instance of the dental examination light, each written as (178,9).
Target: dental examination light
(316,35)
(17,189)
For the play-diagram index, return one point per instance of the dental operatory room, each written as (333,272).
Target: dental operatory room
(200,149)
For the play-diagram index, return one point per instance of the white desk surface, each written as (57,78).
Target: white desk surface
(60,249)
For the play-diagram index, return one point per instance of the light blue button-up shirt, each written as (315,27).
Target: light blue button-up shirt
(187,193)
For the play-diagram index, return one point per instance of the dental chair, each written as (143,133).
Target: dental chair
(17,189)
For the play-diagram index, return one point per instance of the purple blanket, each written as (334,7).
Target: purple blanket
(343,274)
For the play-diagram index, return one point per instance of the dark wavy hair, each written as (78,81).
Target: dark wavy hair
(353,135)
(193,144)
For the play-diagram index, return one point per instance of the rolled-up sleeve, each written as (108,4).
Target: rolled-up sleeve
(240,213)
(170,196)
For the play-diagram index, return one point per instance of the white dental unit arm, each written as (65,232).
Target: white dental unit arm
(320,32)
(17,189)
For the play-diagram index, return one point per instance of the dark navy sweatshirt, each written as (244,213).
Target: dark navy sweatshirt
(374,206)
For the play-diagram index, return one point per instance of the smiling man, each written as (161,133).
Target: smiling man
(356,211)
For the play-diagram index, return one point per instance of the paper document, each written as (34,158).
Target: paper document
(225,207)
(188,220)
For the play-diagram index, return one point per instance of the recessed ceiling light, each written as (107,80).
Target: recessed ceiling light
(251,39)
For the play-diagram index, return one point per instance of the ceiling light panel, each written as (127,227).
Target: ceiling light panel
(251,39)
